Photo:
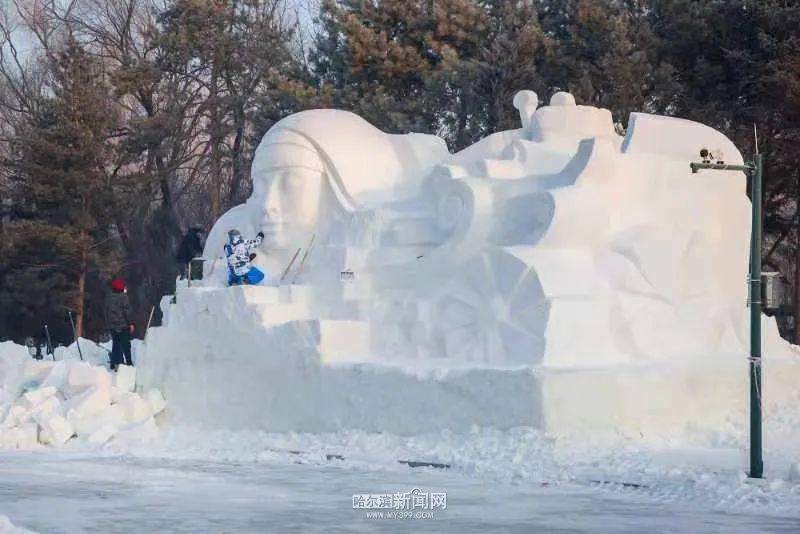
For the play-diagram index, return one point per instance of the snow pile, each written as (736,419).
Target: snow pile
(90,351)
(7,527)
(52,402)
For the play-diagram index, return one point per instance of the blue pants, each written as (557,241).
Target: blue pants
(253,276)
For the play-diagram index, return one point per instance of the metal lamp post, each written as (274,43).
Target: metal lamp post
(754,170)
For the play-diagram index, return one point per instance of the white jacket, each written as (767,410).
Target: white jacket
(239,255)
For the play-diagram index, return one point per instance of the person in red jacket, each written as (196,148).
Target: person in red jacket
(119,318)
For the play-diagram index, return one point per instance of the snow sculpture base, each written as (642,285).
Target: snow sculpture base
(560,276)
(662,402)
(278,369)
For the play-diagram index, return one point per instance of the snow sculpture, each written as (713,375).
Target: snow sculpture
(560,242)
(628,255)
(559,245)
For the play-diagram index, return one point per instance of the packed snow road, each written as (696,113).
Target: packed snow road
(96,492)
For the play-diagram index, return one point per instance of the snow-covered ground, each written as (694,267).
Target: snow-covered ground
(188,478)
(130,494)
(193,480)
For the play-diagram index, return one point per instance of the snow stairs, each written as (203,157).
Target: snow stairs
(342,337)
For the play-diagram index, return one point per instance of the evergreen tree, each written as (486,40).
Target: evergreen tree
(448,67)
(239,55)
(394,61)
(737,67)
(61,245)
(607,55)
(513,55)
(203,80)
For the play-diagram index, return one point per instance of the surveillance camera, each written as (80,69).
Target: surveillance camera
(706,155)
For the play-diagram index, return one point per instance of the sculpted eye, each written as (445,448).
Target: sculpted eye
(294,182)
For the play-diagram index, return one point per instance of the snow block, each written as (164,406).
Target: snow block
(90,402)
(81,425)
(12,366)
(22,437)
(82,376)
(5,406)
(102,434)
(57,377)
(87,425)
(15,416)
(90,353)
(344,341)
(136,433)
(134,408)
(125,378)
(27,436)
(37,371)
(49,405)
(37,396)
(156,400)
(6,398)
(55,430)
(50,402)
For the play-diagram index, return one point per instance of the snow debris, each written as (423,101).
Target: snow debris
(156,400)
(7,527)
(46,402)
(125,379)
(794,473)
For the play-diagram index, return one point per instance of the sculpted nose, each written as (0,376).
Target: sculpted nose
(273,212)
(273,200)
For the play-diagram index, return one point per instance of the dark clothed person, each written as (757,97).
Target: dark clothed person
(119,319)
(191,247)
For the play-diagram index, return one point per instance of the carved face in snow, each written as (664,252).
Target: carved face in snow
(290,202)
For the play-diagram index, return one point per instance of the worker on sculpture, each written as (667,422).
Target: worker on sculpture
(240,254)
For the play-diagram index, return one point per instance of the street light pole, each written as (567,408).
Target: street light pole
(756,456)
(754,171)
